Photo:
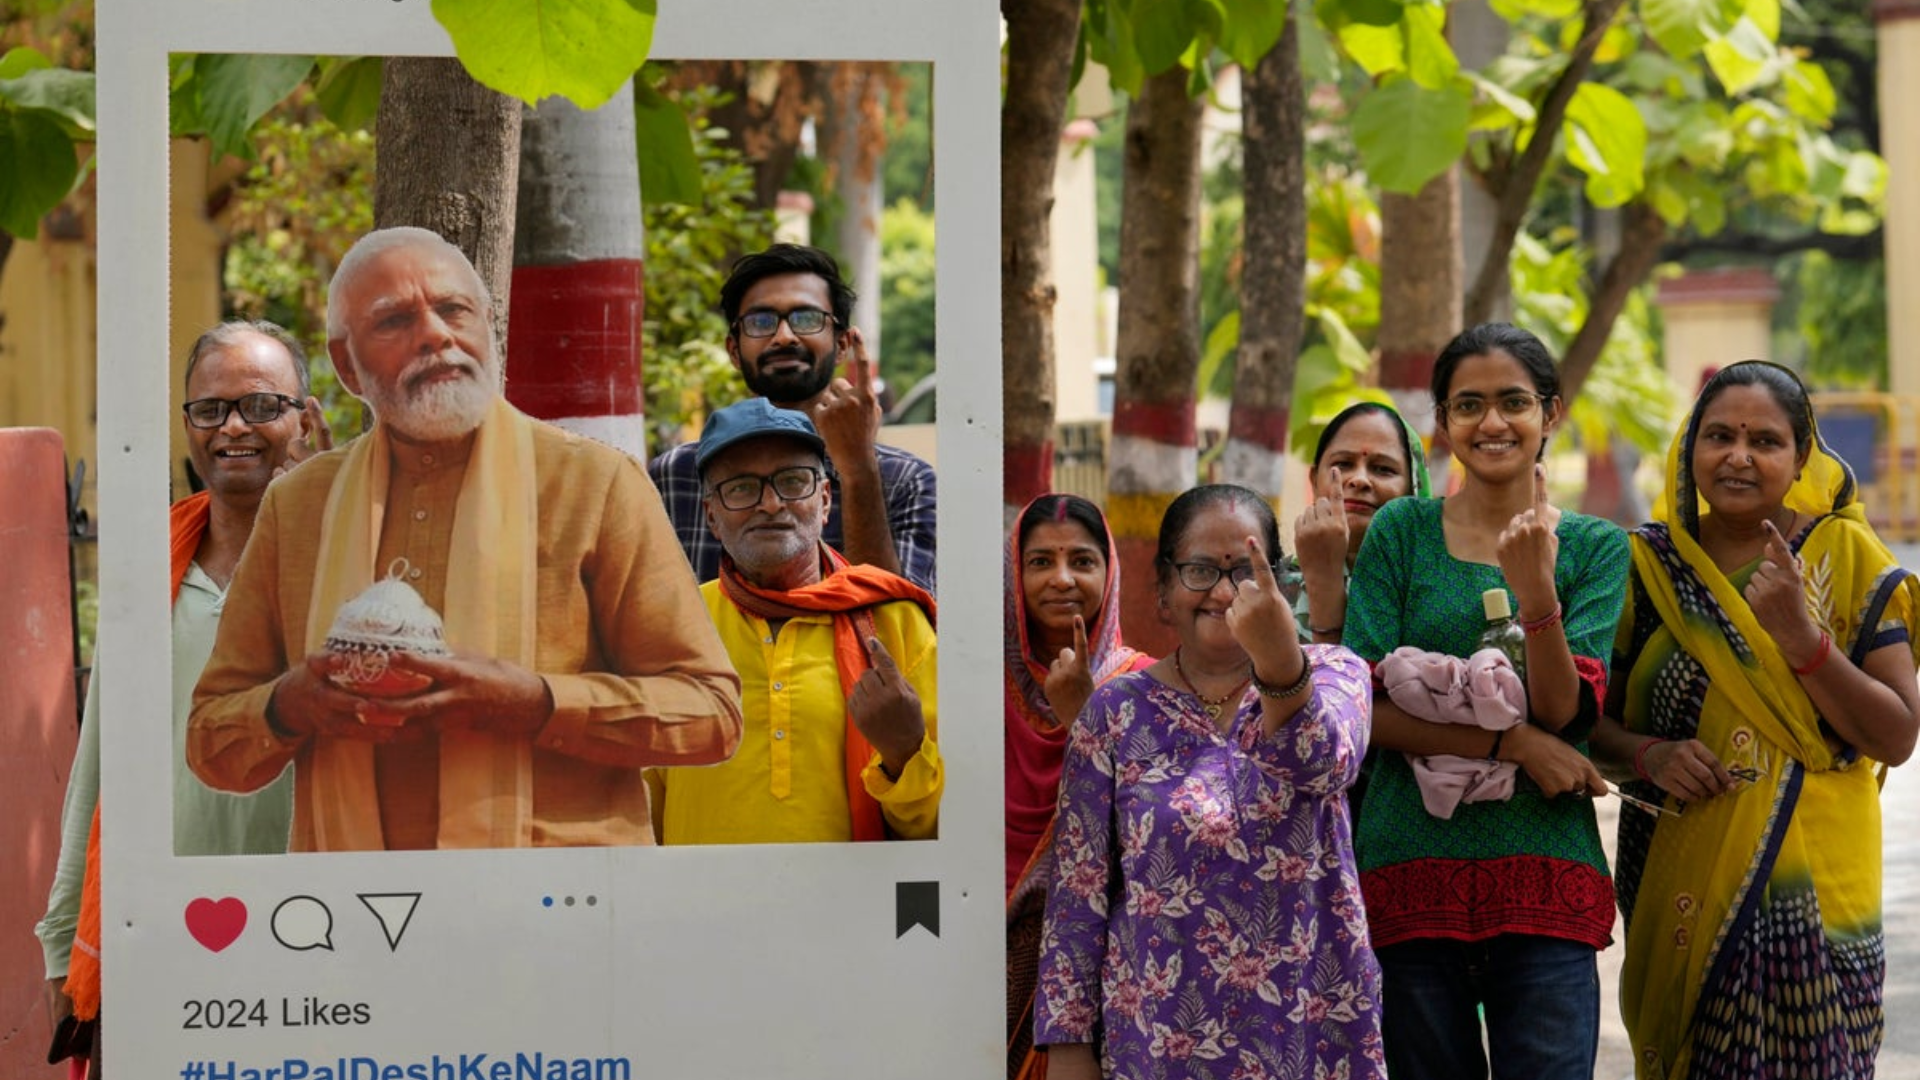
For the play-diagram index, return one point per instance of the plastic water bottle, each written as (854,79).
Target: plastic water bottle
(1502,632)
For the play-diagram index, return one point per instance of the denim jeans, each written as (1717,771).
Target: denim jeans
(1542,1002)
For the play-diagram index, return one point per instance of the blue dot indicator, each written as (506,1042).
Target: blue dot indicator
(546,901)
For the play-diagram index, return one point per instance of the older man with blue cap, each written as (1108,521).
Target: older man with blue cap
(837,661)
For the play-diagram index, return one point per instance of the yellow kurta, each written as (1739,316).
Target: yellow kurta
(788,781)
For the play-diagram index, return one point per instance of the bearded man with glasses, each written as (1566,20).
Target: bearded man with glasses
(788,326)
(837,660)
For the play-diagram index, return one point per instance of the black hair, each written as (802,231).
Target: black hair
(1060,507)
(1354,411)
(750,270)
(1520,344)
(1786,390)
(1180,517)
(231,332)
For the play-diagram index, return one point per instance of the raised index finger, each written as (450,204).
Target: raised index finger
(1262,570)
(1540,487)
(1332,486)
(1777,550)
(1079,636)
(882,659)
(859,368)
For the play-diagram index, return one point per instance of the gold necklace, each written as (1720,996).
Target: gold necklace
(1213,706)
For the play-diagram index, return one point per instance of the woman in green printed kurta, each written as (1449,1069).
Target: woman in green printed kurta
(1504,906)
(1765,663)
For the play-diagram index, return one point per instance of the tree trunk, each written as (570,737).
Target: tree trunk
(450,161)
(1152,458)
(573,356)
(1040,37)
(1641,236)
(767,105)
(1273,288)
(1420,272)
(853,131)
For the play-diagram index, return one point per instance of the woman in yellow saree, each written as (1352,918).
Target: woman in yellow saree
(1763,674)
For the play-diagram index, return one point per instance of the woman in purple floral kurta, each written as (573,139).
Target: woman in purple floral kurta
(1205,920)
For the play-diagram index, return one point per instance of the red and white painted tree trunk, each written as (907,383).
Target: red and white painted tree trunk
(1153,458)
(573,347)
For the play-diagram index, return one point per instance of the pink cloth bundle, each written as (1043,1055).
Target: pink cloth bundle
(1483,690)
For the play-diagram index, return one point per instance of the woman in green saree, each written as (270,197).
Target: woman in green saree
(1764,672)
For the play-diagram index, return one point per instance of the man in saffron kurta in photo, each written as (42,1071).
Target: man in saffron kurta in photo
(836,660)
(578,652)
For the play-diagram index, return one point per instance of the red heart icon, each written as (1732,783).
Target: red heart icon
(216,924)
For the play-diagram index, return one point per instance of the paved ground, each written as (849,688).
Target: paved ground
(1900,810)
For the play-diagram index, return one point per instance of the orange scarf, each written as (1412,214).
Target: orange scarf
(186,525)
(848,593)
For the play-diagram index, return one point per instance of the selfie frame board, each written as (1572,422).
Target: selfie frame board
(765,961)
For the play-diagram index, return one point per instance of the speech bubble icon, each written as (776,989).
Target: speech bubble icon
(303,922)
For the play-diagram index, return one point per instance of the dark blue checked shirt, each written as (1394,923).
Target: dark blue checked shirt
(906,481)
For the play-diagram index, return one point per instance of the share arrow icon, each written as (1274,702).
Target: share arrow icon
(394,910)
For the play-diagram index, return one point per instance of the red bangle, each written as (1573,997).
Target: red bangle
(1819,657)
(1541,624)
(1640,759)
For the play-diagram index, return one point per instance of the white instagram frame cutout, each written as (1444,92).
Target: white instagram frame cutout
(763,962)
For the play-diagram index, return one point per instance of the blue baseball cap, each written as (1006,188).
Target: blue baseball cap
(753,419)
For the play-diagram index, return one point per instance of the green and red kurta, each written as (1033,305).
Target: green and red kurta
(1530,865)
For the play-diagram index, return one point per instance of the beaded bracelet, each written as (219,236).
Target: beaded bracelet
(1540,625)
(1640,759)
(1293,689)
(1819,657)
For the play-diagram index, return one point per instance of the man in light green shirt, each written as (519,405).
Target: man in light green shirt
(248,418)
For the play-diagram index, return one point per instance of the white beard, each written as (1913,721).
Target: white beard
(441,411)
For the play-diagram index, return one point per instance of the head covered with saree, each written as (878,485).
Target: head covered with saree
(1036,739)
(1410,442)
(1770,875)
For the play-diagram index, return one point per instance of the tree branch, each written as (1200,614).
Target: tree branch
(1867,246)
(1641,234)
(1513,188)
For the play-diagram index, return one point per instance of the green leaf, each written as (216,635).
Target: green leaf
(236,89)
(583,50)
(37,168)
(1514,10)
(1408,134)
(669,170)
(1111,44)
(1742,58)
(1367,12)
(1163,30)
(1607,140)
(1810,94)
(1377,49)
(1221,342)
(1500,98)
(66,97)
(22,59)
(1430,60)
(1683,27)
(1251,29)
(349,91)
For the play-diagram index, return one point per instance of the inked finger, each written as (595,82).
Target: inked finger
(1079,636)
(1262,572)
(882,659)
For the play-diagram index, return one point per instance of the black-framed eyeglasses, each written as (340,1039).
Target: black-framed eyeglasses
(801,320)
(211,412)
(1472,409)
(743,492)
(1203,576)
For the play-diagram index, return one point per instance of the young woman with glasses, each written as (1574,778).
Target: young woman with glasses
(1502,907)
(1204,919)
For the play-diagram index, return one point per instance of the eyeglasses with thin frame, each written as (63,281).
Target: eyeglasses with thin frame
(764,324)
(743,492)
(1472,409)
(263,408)
(1203,576)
